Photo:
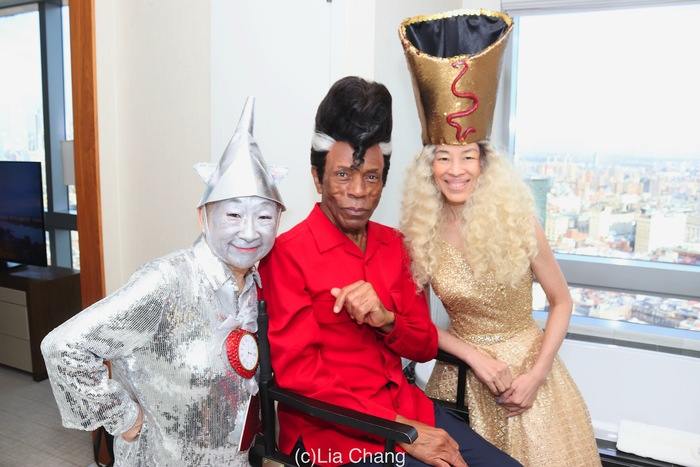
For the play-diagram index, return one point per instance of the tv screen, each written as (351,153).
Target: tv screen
(22,230)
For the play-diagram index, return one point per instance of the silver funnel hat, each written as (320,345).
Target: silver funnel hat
(241,171)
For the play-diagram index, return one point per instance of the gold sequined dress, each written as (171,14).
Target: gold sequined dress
(497,319)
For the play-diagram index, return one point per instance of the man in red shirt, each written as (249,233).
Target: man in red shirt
(344,309)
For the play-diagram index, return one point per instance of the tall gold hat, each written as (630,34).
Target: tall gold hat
(454,59)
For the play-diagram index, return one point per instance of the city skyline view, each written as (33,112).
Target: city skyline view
(605,136)
(601,206)
(593,125)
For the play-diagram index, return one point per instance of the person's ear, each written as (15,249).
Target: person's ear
(279,217)
(201,217)
(317,182)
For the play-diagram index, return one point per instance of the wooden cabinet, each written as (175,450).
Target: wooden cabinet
(33,301)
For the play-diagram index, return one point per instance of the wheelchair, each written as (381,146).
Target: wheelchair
(264,451)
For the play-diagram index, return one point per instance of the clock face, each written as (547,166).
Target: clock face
(248,351)
(242,352)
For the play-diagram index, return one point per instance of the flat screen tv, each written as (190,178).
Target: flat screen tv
(22,228)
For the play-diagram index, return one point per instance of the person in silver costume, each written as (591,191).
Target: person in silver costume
(176,397)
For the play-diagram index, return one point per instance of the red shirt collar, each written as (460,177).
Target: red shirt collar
(328,236)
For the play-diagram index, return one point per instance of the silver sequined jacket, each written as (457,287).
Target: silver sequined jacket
(163,333)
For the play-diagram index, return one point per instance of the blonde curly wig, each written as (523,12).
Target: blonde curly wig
(498,232)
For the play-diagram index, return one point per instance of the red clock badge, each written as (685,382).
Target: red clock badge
(242,352)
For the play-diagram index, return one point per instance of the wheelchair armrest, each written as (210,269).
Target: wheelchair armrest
(448,358)
(462,369)
(382,427)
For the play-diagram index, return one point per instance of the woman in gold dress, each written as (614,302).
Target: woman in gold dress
(469,224)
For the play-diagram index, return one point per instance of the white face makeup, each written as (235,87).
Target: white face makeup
(241,231)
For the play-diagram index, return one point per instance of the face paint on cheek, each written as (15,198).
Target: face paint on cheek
(268,234)
(242,231)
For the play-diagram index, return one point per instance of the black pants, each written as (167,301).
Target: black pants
(476,451)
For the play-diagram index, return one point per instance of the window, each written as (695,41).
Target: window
(36,110)
(602,125)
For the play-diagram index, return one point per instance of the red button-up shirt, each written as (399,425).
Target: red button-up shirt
(328,356)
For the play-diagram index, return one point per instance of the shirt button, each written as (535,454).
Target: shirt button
(392,339)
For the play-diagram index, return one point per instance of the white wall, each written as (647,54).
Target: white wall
(258,50)
(292,71)
(153,82)
(620,383)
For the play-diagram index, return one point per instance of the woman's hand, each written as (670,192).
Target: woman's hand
(132,433)
(522,394)
(492,372)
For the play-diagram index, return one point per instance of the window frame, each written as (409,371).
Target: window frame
(666,280)
(59,219)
